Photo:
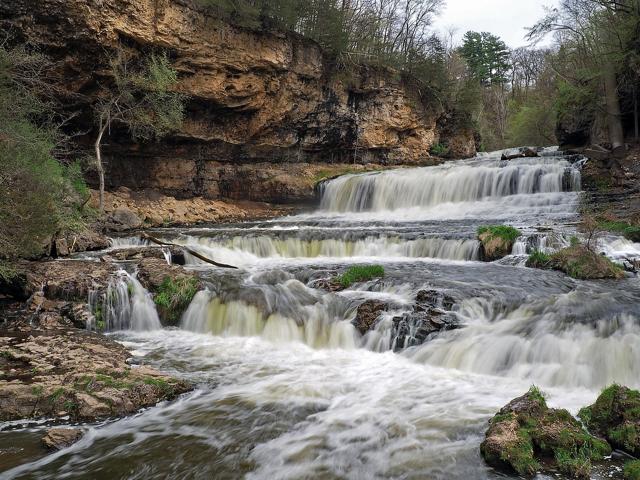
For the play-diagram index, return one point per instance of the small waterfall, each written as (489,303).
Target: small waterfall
(210,314)
(127,242)
(127,305)
(590,346)
(456,182)
(245,249)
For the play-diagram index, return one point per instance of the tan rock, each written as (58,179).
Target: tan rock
(59,438)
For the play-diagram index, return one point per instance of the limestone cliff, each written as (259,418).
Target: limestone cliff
(258,101)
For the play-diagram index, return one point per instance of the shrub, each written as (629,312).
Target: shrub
(439,149)
(538,259)
(360,273)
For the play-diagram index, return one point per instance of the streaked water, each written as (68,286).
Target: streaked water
(286,386)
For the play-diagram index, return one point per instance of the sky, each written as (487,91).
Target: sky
(505,18)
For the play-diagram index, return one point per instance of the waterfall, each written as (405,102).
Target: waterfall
(127,305)
(210,314)
(471,181)
(246,249)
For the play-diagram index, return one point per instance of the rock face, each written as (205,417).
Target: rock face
(526,436)
(368,314)
(259,102)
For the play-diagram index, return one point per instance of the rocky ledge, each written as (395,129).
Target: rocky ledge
(51,365)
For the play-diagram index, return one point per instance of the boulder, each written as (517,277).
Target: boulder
(368,314)
(519,153)
(526,436)
(59,438)
(615,415)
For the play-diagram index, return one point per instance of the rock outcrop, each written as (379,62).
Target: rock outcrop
(526,436)
(262,107)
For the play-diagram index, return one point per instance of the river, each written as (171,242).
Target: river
(288,389)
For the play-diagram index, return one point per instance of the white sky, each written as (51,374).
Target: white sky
(505,18)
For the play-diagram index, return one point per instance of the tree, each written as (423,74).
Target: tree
(596,38)
(487,57)
(141,99)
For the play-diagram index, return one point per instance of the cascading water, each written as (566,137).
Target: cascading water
(287,386)
(127,305)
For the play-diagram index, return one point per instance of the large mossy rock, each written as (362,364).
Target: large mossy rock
(527,436)
(497,241)
(578,262)
(616,416)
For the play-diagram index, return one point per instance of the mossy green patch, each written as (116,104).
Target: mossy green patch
(173,296)
(578,262)
(538,259)
(360,273)
(505,232)
(632,470)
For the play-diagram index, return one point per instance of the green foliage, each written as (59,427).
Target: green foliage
(439,149)
(487,57)
(632,470)
(505,232)
(174,296)
(360,273)
(538,259)
(536,394)
(37,193)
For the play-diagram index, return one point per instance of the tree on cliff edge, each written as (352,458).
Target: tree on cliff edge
(141,99)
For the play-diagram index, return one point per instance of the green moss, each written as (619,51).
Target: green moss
(631,232)
(174,296)
(632,470)
(578,262)
(7,272)
(505,232)
(536,394)
(573,462)
(520,455)
(360,273)
(538,259)
(55,396)
(159,383)
(626,436)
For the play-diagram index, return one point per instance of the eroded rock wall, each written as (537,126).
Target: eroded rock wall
(258,101)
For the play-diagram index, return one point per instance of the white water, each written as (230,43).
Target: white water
(462,182)
(287,387)
(127,305)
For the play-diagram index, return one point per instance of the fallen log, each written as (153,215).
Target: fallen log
(146,236)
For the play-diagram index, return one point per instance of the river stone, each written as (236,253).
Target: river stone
(615,415)
(368,314)
(526,436)
(59,438)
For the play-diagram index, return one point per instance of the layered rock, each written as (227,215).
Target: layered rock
(259,102)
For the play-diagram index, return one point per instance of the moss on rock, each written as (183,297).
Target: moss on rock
(577,261)
(173,296)
(615,415)
(497,240)
(527,436)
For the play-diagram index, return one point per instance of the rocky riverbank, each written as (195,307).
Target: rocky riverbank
(51,365)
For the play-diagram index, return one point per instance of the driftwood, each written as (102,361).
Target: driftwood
(146,236)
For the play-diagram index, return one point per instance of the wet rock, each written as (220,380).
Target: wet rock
(434,298)
(59,438)
(328,284)
(496,241)
(519,153)
(368,314)
(130,254)
(526,436)
(414,328)
(615,415)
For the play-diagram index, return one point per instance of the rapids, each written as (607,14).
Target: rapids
(286,386)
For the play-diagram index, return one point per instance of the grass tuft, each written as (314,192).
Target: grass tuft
(360,273)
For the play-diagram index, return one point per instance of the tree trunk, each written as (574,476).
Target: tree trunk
(614,122)
(99,166)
